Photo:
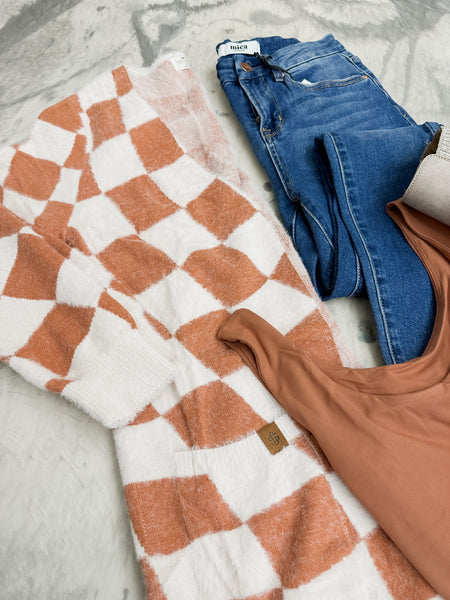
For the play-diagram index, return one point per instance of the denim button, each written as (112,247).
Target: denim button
(246,66)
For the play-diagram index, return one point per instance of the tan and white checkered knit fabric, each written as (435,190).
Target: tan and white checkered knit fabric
(127,235)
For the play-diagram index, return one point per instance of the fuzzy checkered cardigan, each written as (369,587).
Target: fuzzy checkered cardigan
(127,236)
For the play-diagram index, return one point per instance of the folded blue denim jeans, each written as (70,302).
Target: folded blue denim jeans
(337,148)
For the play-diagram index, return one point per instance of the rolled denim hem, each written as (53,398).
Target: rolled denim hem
(397,284)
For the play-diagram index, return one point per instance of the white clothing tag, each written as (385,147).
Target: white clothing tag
(306,82)
(238,48)
(180,62)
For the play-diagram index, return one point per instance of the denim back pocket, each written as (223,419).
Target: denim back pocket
(333,70)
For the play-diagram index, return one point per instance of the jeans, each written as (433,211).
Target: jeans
(337,149)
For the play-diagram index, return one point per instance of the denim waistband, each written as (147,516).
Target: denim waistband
(284,52)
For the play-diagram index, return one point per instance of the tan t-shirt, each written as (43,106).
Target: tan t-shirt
(385,430)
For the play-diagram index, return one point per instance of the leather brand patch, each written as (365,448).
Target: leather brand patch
(272,438)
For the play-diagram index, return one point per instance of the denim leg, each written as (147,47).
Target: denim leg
(363,169)
(285,97)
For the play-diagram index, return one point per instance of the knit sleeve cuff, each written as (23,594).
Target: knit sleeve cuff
(124,380)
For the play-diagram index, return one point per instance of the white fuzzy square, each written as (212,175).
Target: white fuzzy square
(194,374)
(92,268)
(352,578)
(178,236)
(66,189)
(20,317)
(101,88)
(166,399)
(138,445)
(8,254)
(135,110)
(177,299)
(6,156)
(222,566)
(100,222)
(23,206)
(257,239)
(182,180)
(248,386)
(49,142)
(280,305)
(116,161)
(73,287)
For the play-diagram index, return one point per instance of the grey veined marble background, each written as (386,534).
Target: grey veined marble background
(64,531)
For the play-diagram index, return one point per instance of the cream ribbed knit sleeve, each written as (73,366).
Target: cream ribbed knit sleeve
(67,323)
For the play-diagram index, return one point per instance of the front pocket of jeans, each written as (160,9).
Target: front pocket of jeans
(334,70)
(327,83)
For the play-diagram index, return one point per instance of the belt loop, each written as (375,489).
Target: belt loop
(278,73)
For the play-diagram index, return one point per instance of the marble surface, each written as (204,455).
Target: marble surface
(64,532)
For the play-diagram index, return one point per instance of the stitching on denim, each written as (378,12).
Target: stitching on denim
(277,107)
(253,100)
(283,173)
(313,58)
(281,170)
(319,224)
(358,276)
(269,133)
(293,223)
(375,81)
(278,163)
(383,315)
(276,160)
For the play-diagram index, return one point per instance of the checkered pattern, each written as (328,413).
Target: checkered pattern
(123,249)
